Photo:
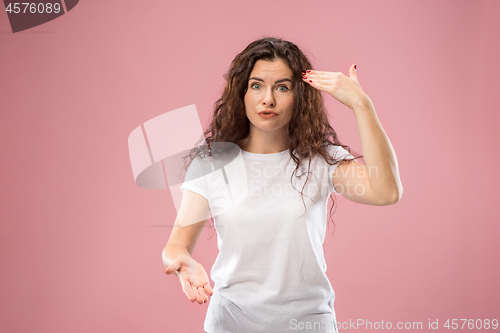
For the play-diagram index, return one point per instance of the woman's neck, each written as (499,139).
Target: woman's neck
(265,143)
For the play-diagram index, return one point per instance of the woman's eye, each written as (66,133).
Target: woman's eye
(258,86)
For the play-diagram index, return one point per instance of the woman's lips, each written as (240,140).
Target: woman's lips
(267,116)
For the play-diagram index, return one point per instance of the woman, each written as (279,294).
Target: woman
(270,272)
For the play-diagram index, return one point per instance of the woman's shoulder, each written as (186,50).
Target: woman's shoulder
(330,149)
(331,153)
(335,149)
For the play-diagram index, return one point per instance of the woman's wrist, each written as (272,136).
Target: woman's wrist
(173,251)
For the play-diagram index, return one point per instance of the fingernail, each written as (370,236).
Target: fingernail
(309,71)
(303,73)
(356,67)
(305,78)
(310,80)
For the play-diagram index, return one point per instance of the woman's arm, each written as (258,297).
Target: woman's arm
(190,222)
(177,254)
(181,242)
(377,182)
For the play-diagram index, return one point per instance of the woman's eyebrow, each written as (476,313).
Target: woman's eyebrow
(259,79)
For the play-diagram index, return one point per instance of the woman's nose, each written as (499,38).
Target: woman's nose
(269,99)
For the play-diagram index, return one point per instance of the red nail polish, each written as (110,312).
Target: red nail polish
(310,80)
(309,71)
(305,78)
(356,67)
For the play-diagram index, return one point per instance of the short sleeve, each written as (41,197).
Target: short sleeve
(197,177)
(339,153)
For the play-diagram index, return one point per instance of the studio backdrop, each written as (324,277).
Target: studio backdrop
(81,239)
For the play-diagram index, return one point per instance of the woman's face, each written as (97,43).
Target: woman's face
(270,88)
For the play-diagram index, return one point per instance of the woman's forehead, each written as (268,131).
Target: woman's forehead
(271,68)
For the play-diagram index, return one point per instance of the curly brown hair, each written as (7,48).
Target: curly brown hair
(309,130)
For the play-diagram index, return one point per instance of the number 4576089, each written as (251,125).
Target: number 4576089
(471,324)
(33,8)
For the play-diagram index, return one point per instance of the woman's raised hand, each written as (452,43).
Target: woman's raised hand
(194,279)
(346,90)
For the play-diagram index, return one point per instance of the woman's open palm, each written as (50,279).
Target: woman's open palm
(346,90)
(194,279)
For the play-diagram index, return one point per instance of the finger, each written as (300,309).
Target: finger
(308,78)
(202,294)
(173,267)
(208,289)
(199,298)
(319,82)
(196,294)
(316,84)
(312,75)
(313,72)
(189,293)
(353,72)
(188,290)
(322,74)
(327,79)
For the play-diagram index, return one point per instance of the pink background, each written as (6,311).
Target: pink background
(81,242)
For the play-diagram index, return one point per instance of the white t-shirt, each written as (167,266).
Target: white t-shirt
(270,272)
